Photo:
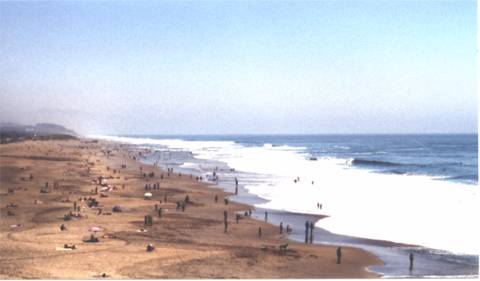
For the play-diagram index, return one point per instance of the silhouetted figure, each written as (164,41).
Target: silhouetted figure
(216,198)
(281,227)
(266,216)
(259,231)
(306,231)
(62,227)
(225,222)
(339,255)
(411,261)
(148,220)
(160,212)
(150,247)
(226,201)
(237,217)
(311,232)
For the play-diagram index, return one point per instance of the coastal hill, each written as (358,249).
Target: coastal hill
(11,132)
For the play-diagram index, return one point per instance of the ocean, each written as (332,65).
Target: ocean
(420,190)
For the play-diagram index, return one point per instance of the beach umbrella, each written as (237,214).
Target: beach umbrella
(147,195)
(95,229)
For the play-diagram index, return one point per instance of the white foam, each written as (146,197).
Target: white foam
(401,208)
(188,165)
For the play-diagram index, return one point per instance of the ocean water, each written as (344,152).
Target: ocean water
(413,189)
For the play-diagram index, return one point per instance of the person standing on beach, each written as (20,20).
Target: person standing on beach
(311,232)
(236,186)
(339,255)
(216,198)
(259,232)
(306,231)
(225,223)
(266,216)
(281,227)
(411,261)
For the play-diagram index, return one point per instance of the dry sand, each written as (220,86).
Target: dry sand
(189,244)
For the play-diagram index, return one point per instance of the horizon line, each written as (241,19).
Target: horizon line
(293,134)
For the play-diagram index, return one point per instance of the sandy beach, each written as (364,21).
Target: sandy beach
(188,244)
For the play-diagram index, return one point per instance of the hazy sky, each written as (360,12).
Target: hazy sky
(240,67)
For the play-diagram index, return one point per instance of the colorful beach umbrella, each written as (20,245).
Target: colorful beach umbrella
(95,229)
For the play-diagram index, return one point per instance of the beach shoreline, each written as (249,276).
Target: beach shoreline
(395,255)
(189,244)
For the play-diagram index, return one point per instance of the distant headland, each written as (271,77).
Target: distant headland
(12,132)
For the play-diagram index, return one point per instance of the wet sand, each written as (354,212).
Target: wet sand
(188,244)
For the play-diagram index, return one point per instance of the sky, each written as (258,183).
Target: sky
(240,67)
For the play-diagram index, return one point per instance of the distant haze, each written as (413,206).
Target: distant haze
(213,67)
